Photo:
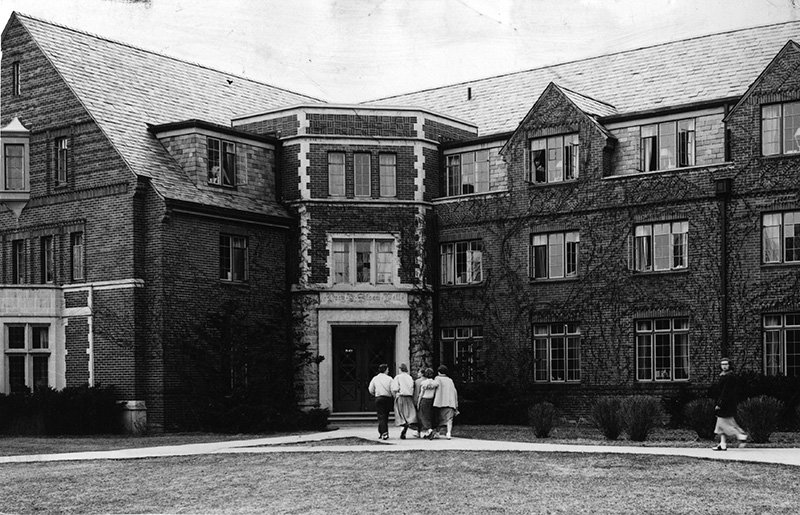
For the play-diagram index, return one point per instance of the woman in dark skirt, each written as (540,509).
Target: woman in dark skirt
(726,408)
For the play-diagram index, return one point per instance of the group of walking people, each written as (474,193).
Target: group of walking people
(426,404)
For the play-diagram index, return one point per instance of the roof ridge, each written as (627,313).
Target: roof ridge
(544,67)
(159,54)
(585,96)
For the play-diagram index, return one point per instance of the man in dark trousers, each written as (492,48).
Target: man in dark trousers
(381,388)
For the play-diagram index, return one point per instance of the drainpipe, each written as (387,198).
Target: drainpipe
(90,323)
(723,192)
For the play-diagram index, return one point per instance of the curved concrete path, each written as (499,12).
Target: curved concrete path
(313,442)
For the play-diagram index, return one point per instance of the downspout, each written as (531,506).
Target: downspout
(90,323)
(723,192)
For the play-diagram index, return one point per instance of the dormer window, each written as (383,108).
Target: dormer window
(467,172)
(780,129)
(554,159)
(221,162)
(667,145)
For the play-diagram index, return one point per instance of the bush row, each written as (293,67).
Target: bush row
(758,416)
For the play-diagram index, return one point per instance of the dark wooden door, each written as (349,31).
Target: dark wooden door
(357,352)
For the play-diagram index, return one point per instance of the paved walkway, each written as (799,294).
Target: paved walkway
(313,442)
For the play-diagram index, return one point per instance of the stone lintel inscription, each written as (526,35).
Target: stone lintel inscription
(363,299)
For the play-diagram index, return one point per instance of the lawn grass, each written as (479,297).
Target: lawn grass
(413,482)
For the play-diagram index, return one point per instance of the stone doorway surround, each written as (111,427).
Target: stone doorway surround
(352,308)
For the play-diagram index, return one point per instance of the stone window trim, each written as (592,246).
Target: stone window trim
(462,347)
(662,349)
(780,238)
(553,159)
(233,258)
(28,354)
(553,255)
(359,260)
(780,129)
(556,348)
(667,145)
(461,263)
(781,344)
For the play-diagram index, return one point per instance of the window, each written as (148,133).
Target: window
(232,258)
(780,129)
(46,257)
(554,255)
(554,159)
(27,353)
(782,344)
(15,79)
(662,349)
(556,352)
(221,162)
(388,175)
(363,176)
(62,160)
(363,261)
(667,145)
(461,348)
(462,262)
(14,166)
(76,253)
(336,174)
(18,262)
(467,172)
(661,246)
(780,238)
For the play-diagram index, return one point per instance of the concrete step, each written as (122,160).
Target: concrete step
(355,417)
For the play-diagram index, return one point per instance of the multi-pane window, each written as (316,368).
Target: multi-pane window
(76,255)
(388,175)
(467,172)
(661,246)
(780,237)
(462,262)
(554,159)
(667,145)
(62,160)
(14,166)
(47,259)
(232,258)
(336,174)
(15,79)
(363,178)
(554,255)
(782,344)
(461,347)
(556,352)
(363,261)
(18,262)
(780,129)
(27,357)
(662,349)
(221,162)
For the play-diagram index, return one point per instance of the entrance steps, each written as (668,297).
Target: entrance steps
(355,418)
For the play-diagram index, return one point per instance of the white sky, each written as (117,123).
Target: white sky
(347,51)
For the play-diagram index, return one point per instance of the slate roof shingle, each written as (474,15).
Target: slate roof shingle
(124,88)
(683,72)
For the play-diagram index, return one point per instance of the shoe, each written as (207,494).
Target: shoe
(403,434)
(448,436)
(385,436)
(719,448)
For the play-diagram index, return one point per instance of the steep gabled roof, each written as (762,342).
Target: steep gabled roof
(125,88)
(687,72)
(790,45)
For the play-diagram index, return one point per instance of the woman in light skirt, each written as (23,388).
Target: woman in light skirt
(725,409)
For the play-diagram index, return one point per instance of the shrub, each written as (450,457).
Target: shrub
(783,388)
(489,403)
(542,418)
(641,414)
(607,417)
(316,419)
(759,417)
(699,416)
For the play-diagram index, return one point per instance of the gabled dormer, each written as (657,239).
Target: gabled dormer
(560,139)
(765,123)
(15,179)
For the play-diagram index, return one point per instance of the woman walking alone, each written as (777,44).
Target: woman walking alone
(726,408)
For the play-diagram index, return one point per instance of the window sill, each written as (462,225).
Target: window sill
(669,170)
(780,156)
(460,286)
(241,284)
(561,383)
(557,183)
(778,266)
(655,273)
(545,280)
(662,381)
(221,186)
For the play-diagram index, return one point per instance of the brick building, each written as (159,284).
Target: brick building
(613,224)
